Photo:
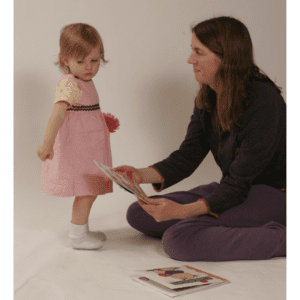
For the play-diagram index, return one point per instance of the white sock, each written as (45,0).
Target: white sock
(98,234)
(80,238)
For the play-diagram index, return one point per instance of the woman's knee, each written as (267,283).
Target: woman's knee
(133,213)
(143,222)
(181,244)
(188,240)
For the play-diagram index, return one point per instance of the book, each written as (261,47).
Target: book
(123,182)
(176,281)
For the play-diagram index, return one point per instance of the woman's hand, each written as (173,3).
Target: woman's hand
(163,209)
(44,152)
(132,173)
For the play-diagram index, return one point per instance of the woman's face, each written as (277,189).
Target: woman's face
(205,63)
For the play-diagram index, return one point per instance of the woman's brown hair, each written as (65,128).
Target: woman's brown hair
(78,40)
(230,40)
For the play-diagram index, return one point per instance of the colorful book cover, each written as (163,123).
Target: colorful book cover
(175,281)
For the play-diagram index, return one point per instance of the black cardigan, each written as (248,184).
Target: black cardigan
(254,153)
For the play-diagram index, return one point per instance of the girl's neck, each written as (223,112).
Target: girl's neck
(78,77)
(83,80)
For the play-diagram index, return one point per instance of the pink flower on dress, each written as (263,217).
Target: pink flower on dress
(111,121)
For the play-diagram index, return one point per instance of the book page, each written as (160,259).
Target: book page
(123,182)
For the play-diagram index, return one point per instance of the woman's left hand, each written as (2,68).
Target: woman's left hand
(163,209)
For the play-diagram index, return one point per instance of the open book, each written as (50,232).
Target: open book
(176,281)
(123,182)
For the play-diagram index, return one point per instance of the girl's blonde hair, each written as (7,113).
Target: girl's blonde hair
(78,40)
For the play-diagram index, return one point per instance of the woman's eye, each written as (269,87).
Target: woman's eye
(79,62)
(94,60)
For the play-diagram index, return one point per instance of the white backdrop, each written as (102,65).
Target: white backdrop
(150,87)
(147,83)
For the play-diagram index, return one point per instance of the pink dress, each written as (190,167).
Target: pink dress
(82,138)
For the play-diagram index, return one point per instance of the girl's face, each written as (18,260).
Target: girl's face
(85,69)
(205,63)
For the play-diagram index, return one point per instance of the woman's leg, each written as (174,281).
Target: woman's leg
(143,222)
(263,205)
(253,230)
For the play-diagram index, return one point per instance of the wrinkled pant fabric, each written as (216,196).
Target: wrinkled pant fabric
(253,230)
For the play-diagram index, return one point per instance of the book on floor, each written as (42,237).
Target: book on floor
(123,182)
(176,281)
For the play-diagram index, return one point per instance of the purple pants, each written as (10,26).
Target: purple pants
(253,230)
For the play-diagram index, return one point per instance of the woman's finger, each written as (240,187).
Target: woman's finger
(119,169)
(129,174)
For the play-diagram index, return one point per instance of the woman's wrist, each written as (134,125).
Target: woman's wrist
(208,208)
(195,209)
(150,175)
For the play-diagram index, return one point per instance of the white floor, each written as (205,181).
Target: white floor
(46,268)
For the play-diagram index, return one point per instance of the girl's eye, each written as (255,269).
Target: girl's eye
(94,60)
(79,62)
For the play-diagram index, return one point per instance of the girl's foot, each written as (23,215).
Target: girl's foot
(87,242)
(81,238)
(98,234)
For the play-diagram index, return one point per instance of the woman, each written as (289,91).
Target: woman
(239,116)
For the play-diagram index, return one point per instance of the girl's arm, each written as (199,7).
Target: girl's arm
(46,149)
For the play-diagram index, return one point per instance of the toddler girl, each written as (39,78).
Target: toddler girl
(77,133)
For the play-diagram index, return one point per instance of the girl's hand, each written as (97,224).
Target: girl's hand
(131,173)
(45,152)
(163,209)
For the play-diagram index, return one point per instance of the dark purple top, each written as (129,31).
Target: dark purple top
(254,153)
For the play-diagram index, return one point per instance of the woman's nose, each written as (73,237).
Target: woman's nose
(191,59)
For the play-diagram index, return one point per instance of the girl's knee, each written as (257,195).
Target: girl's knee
(87,198)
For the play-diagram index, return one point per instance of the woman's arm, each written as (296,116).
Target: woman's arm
(150,175)
(164,209)
(183,162)
(54,123)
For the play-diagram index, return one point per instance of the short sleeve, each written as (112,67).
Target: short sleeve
(69,91)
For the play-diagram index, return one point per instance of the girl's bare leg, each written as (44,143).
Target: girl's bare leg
(80,236)
(81,209)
